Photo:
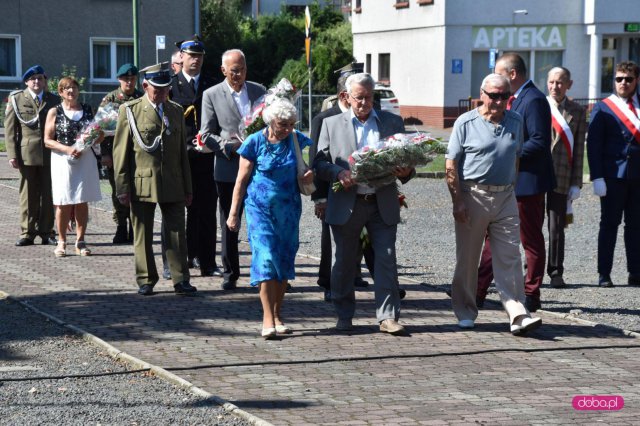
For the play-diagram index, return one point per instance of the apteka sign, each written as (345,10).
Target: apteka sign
(542,37)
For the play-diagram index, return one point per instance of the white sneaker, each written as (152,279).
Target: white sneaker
(466,324)
(527,324)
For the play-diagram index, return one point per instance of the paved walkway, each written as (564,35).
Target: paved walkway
(437,375)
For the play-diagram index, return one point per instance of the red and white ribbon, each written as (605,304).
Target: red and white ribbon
(624,114)
(562,128)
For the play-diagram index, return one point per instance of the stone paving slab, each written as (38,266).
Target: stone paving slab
(436,375)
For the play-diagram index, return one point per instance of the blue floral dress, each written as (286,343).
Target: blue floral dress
(272,206)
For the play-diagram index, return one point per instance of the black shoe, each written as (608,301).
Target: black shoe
(634,279)
(360,283)
(121,236)
(532,304)
(46,241)
(184,288)
(327,296)
(166,273)
(213,271)
(479,302)
(229,285)
(402,293)
(24,242)
(194,263)
(604,280)
(557,282)
(145,290)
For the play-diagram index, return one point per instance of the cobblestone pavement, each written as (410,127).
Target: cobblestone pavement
(436,375)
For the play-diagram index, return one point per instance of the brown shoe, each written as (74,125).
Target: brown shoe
(391,326)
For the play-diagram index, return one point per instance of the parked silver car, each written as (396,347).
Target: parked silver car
(386,98)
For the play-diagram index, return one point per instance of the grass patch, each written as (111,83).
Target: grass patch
(3,147)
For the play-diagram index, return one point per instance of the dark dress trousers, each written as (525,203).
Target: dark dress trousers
(201,215)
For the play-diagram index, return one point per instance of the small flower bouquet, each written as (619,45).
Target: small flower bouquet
(254,122)
(105,121)
(107,118)
(374,167)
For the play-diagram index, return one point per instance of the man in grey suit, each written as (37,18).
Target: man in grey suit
(223,108)
(358,206)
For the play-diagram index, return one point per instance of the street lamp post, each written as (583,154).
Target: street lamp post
(518,12)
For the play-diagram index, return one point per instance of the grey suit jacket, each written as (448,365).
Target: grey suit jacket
(220,120)
(337,142)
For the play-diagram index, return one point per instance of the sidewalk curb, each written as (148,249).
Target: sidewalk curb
(137,363)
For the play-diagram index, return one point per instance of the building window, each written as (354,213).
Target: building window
(544,60)
(367,64)
(401,4)
(358,8)
(384,68)
(107,55)
(10,57)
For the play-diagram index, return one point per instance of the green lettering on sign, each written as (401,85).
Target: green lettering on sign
(632,27)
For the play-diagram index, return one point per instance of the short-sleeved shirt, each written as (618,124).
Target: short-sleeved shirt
(486,153)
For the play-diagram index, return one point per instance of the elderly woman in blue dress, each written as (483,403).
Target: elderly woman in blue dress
(267,182)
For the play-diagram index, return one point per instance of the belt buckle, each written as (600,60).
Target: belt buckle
(368,197)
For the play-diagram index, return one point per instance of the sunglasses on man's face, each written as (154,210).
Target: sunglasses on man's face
(627,79)
(495,96)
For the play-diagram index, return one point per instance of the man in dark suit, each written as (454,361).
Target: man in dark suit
(613,151)
(151,167)
(535,178)
(187,88)
(224,107)
(350,210)
(24,133)
(319,197)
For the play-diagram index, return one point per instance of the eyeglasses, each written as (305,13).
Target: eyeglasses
(361,99)
(284,124)
(177,63)
(628,79)
(495,96)
(236,71)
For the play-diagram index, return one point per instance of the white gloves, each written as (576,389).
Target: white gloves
(200,146)
(574,193)
(599,187)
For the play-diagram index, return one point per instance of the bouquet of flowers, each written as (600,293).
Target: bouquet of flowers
(107,118)
(105,121)
(374,167)
(253,121)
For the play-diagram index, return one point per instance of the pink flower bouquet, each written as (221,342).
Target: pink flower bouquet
(374,166)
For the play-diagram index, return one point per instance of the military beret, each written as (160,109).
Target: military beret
(158,75)
(127,69)
(193,46)
(34,70)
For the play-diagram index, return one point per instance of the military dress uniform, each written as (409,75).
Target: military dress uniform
(24,134)
(151,165)
(201,215)
(120,211)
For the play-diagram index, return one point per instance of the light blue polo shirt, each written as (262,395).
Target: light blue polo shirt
(486,153)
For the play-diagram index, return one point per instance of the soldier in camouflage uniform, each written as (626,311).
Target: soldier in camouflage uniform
(128,77)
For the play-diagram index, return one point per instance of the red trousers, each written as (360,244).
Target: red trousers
(531,210)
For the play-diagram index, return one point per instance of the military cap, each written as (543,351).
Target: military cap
(158,75)
(127,70)
(352,68)
(193,45)
(34,70)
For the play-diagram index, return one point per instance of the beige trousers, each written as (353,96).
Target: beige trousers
(497,214)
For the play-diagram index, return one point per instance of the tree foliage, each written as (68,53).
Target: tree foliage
(274,44)
(67,71)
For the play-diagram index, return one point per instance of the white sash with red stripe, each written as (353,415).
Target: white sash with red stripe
(624,114)
(562,128)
